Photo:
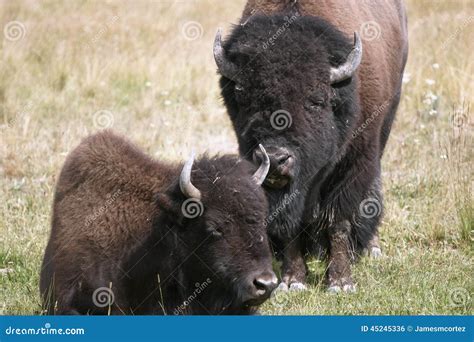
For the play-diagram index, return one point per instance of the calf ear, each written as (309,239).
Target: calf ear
(168,204)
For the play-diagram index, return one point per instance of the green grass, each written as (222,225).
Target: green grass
(161,90)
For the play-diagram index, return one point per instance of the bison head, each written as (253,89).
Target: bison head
(221,218)
(288,82)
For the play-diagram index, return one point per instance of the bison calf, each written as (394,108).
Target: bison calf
(132,235)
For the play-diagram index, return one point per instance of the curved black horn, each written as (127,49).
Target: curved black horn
(226,67)
(187,188)
(261,173)
(347,69)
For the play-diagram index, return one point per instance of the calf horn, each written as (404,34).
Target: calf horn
(187,188)
(260,175)
(347,69)
(226,67)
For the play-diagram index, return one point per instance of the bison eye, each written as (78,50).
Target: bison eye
(238,88)
(315,104)
(214,232)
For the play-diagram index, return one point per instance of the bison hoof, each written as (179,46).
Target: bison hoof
(348,288)
(297,287)
(375,252)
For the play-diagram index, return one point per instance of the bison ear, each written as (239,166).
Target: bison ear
(168,204)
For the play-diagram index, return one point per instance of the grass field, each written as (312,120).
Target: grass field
(146,69)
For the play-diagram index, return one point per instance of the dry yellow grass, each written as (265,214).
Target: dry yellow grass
(146,69)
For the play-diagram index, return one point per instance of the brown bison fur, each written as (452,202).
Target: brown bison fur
(282,57)
(121,243)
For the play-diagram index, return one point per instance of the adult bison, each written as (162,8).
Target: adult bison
(297,77)
(131,235)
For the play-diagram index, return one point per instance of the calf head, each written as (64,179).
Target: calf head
(220,216)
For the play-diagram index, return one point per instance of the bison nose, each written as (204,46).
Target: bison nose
(258,287)
(265,283)
(282,165)
(279,157)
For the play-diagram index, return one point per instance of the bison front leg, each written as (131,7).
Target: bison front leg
(339,274)
(373,248)
(294,267)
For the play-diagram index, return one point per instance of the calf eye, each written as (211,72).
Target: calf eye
(214,232)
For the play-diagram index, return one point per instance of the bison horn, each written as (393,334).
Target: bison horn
(347,69)
(226,67)
(260,175)
(187,188)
